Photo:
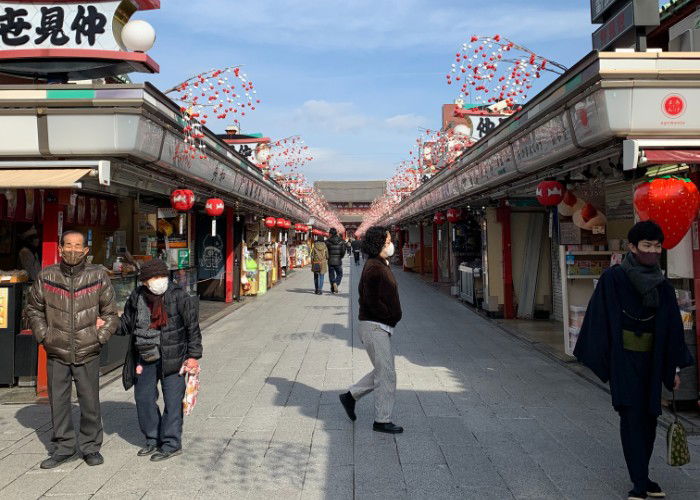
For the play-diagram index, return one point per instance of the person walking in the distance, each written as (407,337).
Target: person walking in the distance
(380,312)
(163,322)
(632,336)
(319,263)
(336,252)
(64,306)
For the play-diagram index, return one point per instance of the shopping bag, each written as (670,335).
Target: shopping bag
(189,401)
(677,453)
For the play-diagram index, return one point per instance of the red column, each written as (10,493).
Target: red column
(436,274)
(230,252)
(422,249)
(53,212)
(503,218)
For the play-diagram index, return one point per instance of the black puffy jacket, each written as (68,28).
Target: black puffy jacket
(180,339)
(336,250)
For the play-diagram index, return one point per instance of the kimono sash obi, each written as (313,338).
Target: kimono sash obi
(643,342)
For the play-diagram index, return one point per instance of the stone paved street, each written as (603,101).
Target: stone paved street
(485,416)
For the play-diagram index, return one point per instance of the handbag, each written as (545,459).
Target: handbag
(189,400)
(677,452)
(316,268)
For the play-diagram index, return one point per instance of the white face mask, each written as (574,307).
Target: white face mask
(389,250)
(157,286)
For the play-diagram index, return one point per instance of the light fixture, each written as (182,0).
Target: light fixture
(138,36)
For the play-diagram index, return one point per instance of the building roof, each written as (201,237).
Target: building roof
(351,191)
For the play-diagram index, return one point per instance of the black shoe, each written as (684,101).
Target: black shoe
(93,459)
(636,495)
(387,427)
(334,288)
(654,490)
(149,449)
(54,461)
(164,455)
(348,403)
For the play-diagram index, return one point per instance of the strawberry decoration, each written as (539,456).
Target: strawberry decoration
(588,212)
(671,202)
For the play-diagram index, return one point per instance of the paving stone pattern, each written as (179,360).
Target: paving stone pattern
(485,415)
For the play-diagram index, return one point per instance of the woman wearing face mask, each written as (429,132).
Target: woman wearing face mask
(380,311)
(164,324)
(632,337)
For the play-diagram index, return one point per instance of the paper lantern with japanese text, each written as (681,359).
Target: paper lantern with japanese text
(439,219)
(182,200)
(454,215)
(281,223)
(550,193)
(214,207)
(270,222)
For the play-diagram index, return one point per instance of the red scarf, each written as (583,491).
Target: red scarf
(159,316)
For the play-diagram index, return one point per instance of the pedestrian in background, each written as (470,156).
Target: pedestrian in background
(336,252)
(163,321)
(632,337)
(380,311)
(63,307)
(356,249)
(319,263)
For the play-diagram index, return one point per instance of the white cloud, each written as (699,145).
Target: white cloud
(337,117)
(331,164)
(409,121)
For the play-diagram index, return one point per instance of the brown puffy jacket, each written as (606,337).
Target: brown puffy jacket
(63,306)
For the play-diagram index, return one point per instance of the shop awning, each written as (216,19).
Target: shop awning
(664,156)
(42,178)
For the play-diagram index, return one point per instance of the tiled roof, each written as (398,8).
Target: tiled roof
(351,191)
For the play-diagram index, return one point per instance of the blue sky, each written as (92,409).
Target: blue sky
(356,79)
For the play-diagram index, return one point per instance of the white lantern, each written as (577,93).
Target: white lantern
(462,129)
(138,36)
(262,153)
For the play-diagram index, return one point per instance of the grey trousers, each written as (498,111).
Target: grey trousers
(381,380)
(87,384)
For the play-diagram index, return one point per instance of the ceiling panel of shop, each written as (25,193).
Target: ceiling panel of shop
(42,178)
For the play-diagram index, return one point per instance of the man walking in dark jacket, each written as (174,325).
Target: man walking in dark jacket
(163,322)
(63,309)
(336,252)
(356,249)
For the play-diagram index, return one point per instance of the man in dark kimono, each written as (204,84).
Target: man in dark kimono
(632,336)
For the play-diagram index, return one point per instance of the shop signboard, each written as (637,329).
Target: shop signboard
(600,7)
(544,146)
(621,26)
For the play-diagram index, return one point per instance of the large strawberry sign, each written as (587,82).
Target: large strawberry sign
(671,202)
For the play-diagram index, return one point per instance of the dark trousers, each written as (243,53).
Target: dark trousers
(164,431)
(335,274)
(357,257)
(318,281)
(637,425)
(87,384)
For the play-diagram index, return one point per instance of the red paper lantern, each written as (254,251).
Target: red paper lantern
(281,222)
(214,207)
(671,202)
(300,228)
(454,215)
(182,200)
(439,218)
(287,224)
(550,193)
(270,222)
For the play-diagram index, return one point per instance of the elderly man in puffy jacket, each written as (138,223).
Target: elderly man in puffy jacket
(63,308)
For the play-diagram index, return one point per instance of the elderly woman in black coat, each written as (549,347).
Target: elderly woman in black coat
(163,322)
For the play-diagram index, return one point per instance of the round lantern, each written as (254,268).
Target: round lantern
(182,200)
(270,222)
(138,36)
(214,207)
(439,218)
(454,215)
(281,222)
(671,202)
(287,224)
(550,193)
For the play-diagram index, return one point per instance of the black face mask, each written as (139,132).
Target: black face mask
(649,259)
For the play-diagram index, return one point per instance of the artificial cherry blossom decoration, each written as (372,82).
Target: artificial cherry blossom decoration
(492,69)
(216,94)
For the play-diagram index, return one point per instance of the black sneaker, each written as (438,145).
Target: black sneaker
(636,495)
(93,459)
(387,427)
(654,490)
(348,403)
(54,461)
(165,455)
(149,449)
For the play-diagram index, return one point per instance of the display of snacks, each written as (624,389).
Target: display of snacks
(15,276)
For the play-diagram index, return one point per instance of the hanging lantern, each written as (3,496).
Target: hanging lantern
(439,218)
(281,223)
(270,222)
(454,215)
(214,207)
(671,202)
(550,193)
(287,224)
(299,228)
(182,200)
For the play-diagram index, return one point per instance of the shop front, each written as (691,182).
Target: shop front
(610,123)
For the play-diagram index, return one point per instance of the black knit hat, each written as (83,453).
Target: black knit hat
(152,269)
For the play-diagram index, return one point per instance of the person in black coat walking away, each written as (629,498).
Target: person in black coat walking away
(163,322)
(380,311)
(356,249)
(336,252)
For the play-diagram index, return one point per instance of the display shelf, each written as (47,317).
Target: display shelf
(583,276)
(594,252)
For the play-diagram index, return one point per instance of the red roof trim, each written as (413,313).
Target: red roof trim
(663,156)
(110,55)
(142,4)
